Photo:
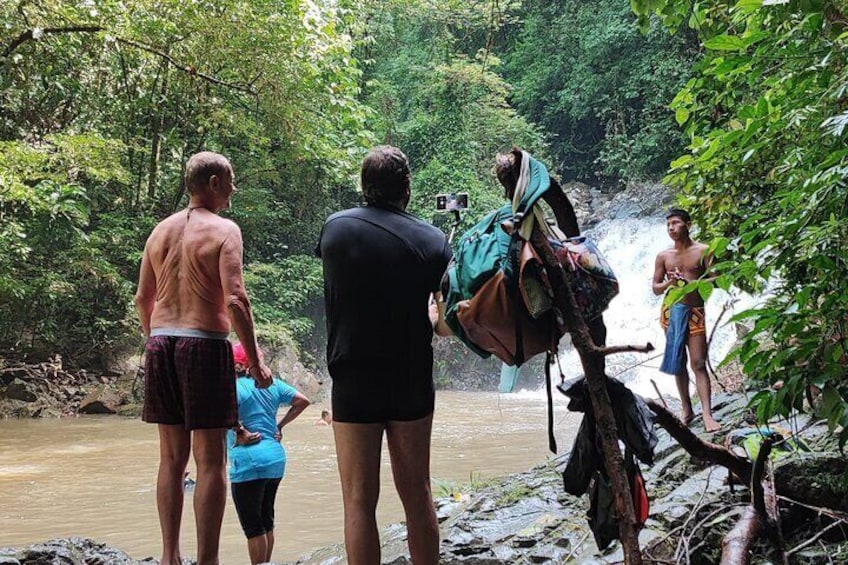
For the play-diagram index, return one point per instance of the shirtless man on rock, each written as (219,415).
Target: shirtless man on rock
(684,322)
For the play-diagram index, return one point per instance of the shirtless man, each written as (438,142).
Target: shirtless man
(190,291)
(684,322)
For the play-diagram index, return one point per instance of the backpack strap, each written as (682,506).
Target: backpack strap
(552,444)
(512,272)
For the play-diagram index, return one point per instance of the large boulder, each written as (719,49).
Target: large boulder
(304,380)
(102,400)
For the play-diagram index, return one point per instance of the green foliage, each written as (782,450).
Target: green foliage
(598,86)
(58,290)
(272,85)
(765,172)
(446,108)
(284,294)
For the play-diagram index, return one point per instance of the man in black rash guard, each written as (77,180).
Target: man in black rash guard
(382,266)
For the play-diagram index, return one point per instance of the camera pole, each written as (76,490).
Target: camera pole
(456,221)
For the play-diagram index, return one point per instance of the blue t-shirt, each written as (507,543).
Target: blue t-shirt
(257,408)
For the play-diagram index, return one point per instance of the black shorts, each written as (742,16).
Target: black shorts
(189,381)
(371,392)
(254,501)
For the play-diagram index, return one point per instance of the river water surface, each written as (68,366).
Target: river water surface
(94,476)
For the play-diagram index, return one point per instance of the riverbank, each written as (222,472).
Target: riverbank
(49,390)
(527,517)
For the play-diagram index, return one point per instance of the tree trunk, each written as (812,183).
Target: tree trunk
(156,137)
(592,358)
(759,518)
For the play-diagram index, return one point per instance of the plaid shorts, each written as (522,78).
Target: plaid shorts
(189,381)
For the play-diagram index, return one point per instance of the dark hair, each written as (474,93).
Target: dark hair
(385,175)
(679,213)
(507,169)
(201,167)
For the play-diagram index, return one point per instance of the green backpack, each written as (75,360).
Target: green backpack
(486,249)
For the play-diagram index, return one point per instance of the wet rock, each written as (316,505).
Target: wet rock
(10,374)
(67,551)
(131,410)
(303,379)
(811,477)
(102,400)
(19,389)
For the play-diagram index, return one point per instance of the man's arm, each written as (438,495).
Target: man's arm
(707,262)
(660,284)
(437,316)
(238,305)
(145,296)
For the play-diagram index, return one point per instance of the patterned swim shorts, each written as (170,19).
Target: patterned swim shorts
(697,319)
(189,381)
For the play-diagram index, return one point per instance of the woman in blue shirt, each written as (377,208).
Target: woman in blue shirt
(257,458)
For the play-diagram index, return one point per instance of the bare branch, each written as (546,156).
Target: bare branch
(697,447)
(613,349)
(186,68)
(757,491)
(28,35)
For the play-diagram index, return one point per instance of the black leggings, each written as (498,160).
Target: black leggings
(254,502)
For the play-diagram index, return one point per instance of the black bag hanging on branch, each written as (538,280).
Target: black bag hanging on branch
(585,468)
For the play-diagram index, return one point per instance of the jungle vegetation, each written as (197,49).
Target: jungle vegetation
(740,106)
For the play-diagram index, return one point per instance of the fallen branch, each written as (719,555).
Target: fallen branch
(683,543)
(829,512)
(659,394)
(612,350)
(813,539)
(757,519)
(697,447)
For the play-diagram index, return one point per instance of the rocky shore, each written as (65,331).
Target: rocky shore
(527,518)
(47,389)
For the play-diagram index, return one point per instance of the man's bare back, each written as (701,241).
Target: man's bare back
(190,293)
(185,253)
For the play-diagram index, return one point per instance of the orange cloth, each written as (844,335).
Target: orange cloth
(697,319)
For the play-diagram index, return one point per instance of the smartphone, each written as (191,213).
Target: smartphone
(452,202)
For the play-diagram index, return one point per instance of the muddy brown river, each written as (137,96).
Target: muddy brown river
(94,476)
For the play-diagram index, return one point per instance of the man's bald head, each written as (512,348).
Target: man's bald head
(202,166)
